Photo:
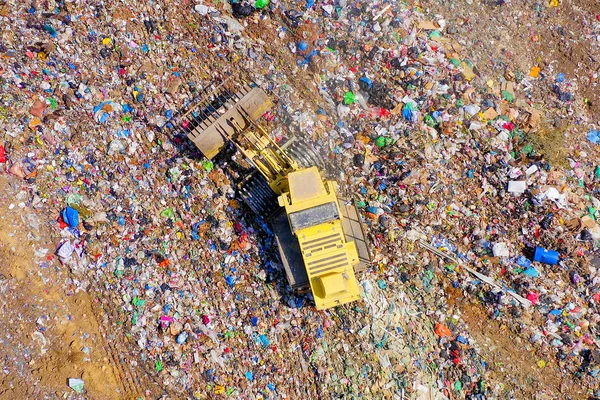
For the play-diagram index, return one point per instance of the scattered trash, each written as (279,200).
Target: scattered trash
(483,164)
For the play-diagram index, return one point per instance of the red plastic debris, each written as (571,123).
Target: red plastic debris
(442,330)
(533,297)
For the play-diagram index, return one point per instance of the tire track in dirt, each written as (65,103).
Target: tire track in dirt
(59,334)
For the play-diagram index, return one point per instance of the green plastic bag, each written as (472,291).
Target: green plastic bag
(349,98)
(380,141)
(435,35)
(261,4)
(527,149)
(53,103)
(168,213)
(508,96)
(430,121)
(208,165)
(138,302)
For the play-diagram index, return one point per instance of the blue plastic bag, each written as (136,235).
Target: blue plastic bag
(264,340)
(181,338)
(367,81)
(407,112)
(531,272)
(71,217)
(523,261)
(302,46)
(593,136)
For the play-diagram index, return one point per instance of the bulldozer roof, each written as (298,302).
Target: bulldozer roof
(306,184)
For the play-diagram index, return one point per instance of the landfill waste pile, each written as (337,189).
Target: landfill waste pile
(478,185)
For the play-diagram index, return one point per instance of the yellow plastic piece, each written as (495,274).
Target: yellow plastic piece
(219,389)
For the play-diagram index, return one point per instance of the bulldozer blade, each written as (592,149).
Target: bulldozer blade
(212,127)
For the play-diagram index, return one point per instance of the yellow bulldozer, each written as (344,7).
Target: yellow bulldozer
(319,235)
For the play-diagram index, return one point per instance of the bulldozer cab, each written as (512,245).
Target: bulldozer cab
(315,220)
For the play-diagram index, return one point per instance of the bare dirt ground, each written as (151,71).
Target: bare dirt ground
(48,333)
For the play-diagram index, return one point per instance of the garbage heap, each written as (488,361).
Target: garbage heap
(431,149)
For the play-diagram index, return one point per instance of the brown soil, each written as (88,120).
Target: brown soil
(512,360)
(517,36)
(48,333)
